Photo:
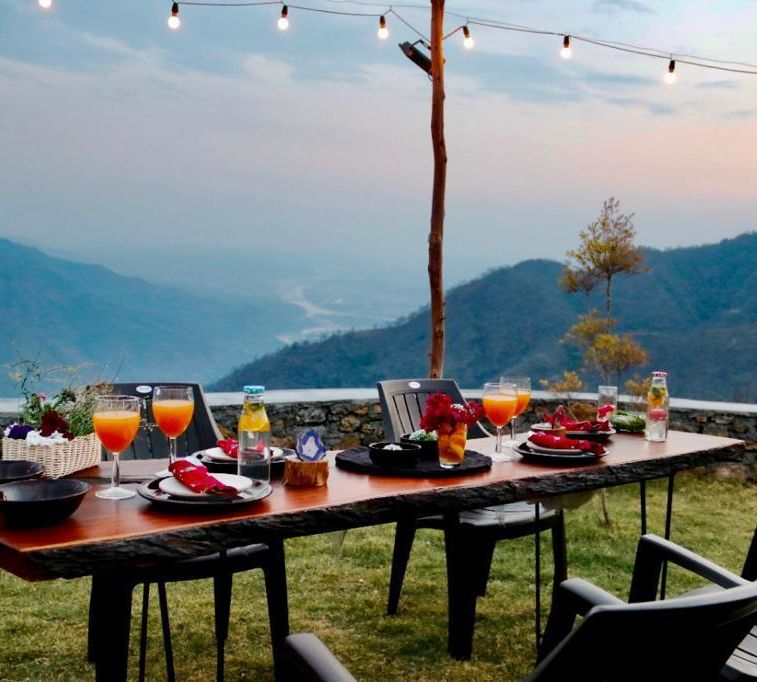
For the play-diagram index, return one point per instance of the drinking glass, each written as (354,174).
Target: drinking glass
(254,457)
(500,400)
(173,407)
(523,390)
(607,395)
(116,421)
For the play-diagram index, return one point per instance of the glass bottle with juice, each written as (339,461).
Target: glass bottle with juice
(658,402)
(254,432)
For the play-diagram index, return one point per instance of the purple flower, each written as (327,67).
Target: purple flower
(19,431)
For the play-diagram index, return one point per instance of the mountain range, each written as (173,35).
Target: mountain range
(694,310)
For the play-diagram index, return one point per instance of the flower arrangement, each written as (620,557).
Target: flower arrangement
(442,412)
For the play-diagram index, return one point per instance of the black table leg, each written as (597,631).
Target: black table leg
(114,619)
(461,591)
(643,505)
(668,523)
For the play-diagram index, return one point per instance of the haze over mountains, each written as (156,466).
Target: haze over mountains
(695,311)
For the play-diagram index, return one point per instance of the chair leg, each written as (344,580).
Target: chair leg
(222,596)
(462,558)
(404,535)
(487,546)
(278,605)
(143,631)
(163,599)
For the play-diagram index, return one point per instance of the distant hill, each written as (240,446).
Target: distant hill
(695,311)
(69,313)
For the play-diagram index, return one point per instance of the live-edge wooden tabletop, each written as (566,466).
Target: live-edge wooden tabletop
(104,536)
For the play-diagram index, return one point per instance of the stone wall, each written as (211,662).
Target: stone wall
(346,423)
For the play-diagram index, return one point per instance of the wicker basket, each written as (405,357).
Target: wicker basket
(59,460)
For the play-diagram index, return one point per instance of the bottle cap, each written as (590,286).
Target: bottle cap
(659,374)
(253,390)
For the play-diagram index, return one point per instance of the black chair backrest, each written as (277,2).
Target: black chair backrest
(404,400)
(689,638)
(151,443)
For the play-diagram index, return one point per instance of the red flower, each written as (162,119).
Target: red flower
(440,410)
(52,421)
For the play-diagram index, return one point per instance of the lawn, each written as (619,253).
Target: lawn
(342,598)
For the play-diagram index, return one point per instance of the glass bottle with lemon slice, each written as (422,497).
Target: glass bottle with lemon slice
(657,408)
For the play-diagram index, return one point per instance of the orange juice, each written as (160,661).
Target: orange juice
(116,429)
(173,416)
(500,409)
(524,397)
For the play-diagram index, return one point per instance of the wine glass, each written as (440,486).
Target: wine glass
(116,421)
(523,390)
(172,408)
(500,400)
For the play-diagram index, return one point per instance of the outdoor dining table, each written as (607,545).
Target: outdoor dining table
(105,537)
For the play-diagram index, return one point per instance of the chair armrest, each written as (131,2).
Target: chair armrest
(308,659)
(654,551)
(572,598)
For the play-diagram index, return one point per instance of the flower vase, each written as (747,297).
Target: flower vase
(451,443)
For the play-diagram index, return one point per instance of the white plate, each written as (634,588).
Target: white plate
(173,487)
(554,451)
(218,455)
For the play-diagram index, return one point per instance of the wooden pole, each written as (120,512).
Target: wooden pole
(436,234)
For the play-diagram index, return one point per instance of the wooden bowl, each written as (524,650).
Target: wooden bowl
(40,502)
(548,428)
(429,448)
(407,458)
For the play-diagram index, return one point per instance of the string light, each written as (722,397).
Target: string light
(670,76)
(383,31)
(174,22)
(45,4)
(566,52)
(468,41)
(283,22)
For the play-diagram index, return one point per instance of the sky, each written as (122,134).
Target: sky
(234,154)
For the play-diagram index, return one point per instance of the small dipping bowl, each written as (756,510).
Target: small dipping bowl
(429,448)
(40,502)
(407,458)
(548,428)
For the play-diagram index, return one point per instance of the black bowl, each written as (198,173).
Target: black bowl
(40,502)
(19,470)
(429,448)
(407,458)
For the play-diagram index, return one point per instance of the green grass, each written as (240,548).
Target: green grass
(342,599)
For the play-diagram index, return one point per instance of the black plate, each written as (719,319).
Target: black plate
(582,459)
(19,470)
(151,492)
(358,459)
(216,467)
(41,502)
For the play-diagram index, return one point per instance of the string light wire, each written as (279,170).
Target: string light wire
(688,59)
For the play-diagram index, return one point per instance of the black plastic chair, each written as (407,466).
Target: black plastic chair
(687,638)
(150,443)
(470,536)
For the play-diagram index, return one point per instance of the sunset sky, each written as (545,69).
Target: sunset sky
(123,141)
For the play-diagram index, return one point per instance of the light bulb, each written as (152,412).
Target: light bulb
(468,41)
(174,22)
(45,4)
(383,31)
(283,22)
(566,52)
(670,76)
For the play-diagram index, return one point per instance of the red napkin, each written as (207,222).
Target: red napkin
(230,446)
(196,478)
(547,440)
(572,425)
(605,411)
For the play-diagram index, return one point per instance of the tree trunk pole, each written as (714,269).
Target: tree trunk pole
(436,234)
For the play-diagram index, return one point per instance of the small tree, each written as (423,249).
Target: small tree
(613,354)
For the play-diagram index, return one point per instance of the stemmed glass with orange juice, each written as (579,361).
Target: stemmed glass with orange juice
(500,402)
(116,421)
(523,389)
(172,408)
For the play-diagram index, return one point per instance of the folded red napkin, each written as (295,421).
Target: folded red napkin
(230,446)
(547,440)
(196,478)
(572,425)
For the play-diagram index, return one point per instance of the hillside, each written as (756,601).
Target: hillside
(69,313)
(695,311)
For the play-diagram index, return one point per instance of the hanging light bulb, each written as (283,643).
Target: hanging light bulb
(566,52)
(670,76)
(283,22)
(174,21)
(45,4)
(383,31)
(468,41)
